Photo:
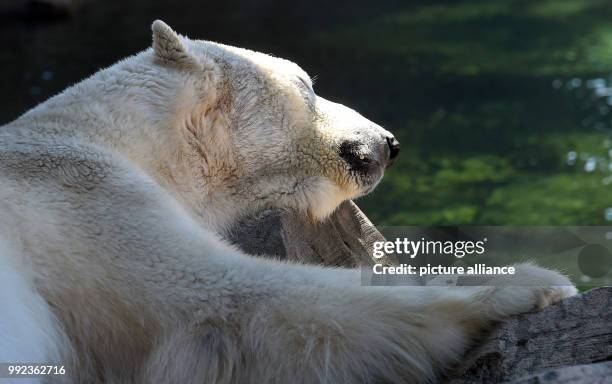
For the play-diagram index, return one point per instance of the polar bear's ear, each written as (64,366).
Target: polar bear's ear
(169,47)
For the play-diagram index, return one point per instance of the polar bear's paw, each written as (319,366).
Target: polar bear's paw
(531,287)
(553,295)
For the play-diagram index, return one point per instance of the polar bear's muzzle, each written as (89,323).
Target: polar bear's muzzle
(371,155)
(367,159)
(363,148)
(394,149)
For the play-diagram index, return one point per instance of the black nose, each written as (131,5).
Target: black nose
(394,147)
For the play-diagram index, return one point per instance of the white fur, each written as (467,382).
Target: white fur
(29,332)
(110,197)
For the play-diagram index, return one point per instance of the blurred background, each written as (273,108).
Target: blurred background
(503,108)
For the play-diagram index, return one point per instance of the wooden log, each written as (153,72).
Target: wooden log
(345,239)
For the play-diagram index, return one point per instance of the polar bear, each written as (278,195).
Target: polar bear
(112,196)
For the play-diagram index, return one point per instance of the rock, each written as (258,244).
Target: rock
(599,373)
(555,345)
(345,239)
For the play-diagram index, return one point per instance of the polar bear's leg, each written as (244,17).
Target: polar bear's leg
(28,330)
(323,327)
(395,334)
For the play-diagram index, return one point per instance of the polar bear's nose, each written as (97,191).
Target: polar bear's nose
(394,148)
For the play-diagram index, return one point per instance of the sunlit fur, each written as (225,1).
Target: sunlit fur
(111,198)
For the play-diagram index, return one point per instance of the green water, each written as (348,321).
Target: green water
(502,109)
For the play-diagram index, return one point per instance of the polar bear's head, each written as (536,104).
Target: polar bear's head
(258,133)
